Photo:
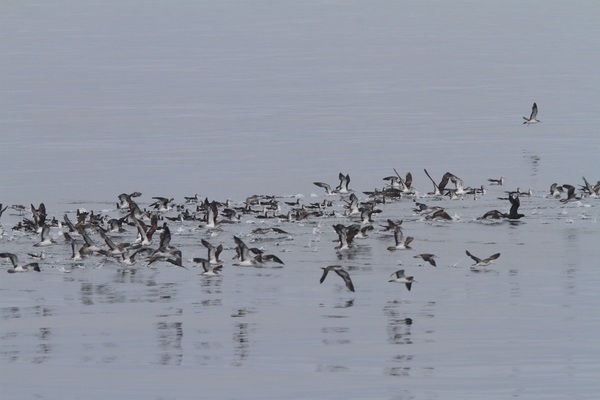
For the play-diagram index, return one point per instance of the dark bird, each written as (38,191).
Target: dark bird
(338,269)
(430,258)
(571,196)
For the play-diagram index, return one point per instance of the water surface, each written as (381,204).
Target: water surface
(231,99)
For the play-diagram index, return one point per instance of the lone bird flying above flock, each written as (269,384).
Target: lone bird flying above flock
(533,117)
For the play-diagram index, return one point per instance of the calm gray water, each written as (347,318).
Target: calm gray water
(230,99)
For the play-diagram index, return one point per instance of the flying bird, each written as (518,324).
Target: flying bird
(19,267)
(533,117)
(483,262)
(430,258)
(401,278)
(338,269)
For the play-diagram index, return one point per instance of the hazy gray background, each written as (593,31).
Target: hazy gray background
(232,98)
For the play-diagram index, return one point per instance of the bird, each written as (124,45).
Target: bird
(344,181)
(19,267)
(401,243)
(326,186)
(437,189)
(401,278)
(243,254)
(346,235)
(483,262)
(533,117)
(162,203)
(438,214)
(171,256)
(571,196)
(430,258)
(341,188)
(555,190)
(209,270)
(391,225)
(338,269)
(265,230)
(589,190)
(115,249)
(45,240)
(499,181)
(515,203)
(213,252)
(513,214)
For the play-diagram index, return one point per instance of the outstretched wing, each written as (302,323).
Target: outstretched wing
(476,259)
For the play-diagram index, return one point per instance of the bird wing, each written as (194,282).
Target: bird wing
(534,111)
(493,257)
(346,277)
(475,258)
(325,272)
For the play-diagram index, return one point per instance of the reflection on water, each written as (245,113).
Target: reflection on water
(533,162)
(241,336)
(170,335)
(43,347)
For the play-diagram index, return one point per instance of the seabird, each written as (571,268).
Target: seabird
(192,199)
(532,118)
(493,181)
(265,230)
(589,190)
(401,243)
(515,203)
(401,278)
(213,252)
(113,248)
(326,186)
(37,256)
(338,269)
(571,196)
(366,214)
(555,190)
(437,189)
(397,183)
(391,225)
(209,270)
(344,182)
(483,262)
(346,235)
(353,205)
(172,256)
(19,267)
(430,258)
(144,236)
(243,254)
(125,200)
(438,214)
(46,240)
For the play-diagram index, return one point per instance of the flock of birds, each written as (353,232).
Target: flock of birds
(213,215)
(81,236)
